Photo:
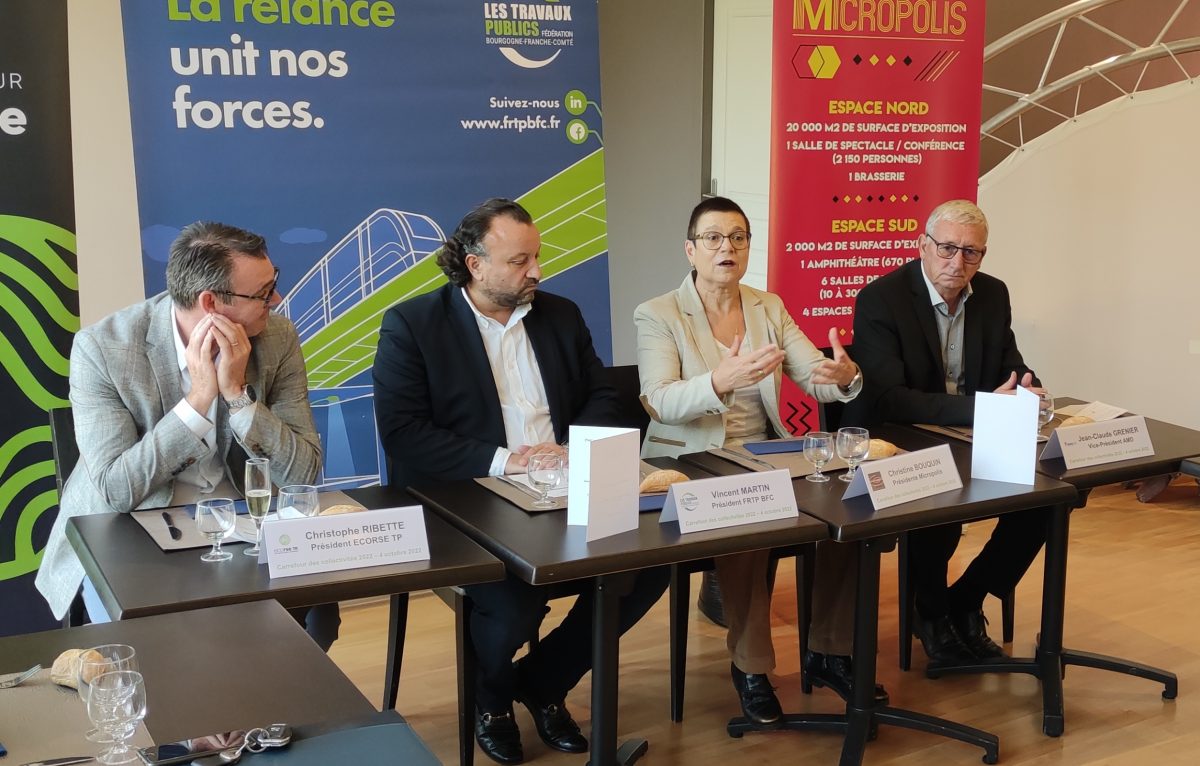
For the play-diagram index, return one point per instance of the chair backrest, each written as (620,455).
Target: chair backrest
(631,413)
(62,439)
(829,414)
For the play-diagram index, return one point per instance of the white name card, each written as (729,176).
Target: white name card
(905,477)
(727,501)
(1097,443)
(1004,439)
(308,545)
(603,491)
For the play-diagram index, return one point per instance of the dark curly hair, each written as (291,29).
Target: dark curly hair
(467,239)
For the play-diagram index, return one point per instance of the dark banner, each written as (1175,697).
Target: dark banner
(39,297)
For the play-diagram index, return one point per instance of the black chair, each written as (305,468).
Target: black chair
(829,417)
(66,456)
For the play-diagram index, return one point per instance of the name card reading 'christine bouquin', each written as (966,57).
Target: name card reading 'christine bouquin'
(727,501)
(906,477)
(1099,443)
(347,541)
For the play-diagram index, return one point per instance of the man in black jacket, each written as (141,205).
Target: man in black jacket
(472,380)
(928,336)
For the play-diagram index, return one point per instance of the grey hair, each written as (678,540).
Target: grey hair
(960,211)
(201,258)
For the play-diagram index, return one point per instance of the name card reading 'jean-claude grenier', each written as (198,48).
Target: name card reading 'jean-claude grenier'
(906,477)
(726,501)
(347,541)
(1099,443)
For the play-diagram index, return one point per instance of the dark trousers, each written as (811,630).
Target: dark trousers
(507,614)
(321,622)
(997,569)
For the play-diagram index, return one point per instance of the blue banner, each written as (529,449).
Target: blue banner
(353,134)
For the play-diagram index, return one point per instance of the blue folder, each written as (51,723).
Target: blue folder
(775,446)
(385,744)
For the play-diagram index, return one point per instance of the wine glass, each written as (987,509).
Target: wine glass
(818,450)
(545,473)
(300,497)
(853,444)
(215,518)
(116,704)
(258,497)
(1045,408)
(94,663)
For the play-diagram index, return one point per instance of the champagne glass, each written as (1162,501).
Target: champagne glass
(116,704)
(818,450)
(300,497)
(1045,408)
(94,663)
(853,444)
(258,497)
(215,518)
(545,473)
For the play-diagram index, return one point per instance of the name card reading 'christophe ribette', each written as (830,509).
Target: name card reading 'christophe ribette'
(726,501)
(347,541)
(1098,443)
(906,477)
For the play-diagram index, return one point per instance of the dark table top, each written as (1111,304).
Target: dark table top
(135,578)
(856,519)
(213,670)
(541,548)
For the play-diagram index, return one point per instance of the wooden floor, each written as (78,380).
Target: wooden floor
(1133,590)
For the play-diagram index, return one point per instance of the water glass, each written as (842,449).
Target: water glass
(105,658)
(1045,408)
(302,498)
(545,473)
(215,519)
(853,444)
(818,450)
(116,704)
(258,497)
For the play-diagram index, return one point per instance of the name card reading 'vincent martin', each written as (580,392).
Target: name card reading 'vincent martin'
(727,501)
(905,477)
(1098,443)
(347,541)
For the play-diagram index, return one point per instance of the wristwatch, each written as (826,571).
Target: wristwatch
(854,382)
(246,398)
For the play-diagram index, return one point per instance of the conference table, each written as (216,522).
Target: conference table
(221,669)
(136,578)
(856,522)
(542,549)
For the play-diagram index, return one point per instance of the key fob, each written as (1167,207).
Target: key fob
(275,735)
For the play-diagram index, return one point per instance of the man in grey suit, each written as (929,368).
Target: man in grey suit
(171,396)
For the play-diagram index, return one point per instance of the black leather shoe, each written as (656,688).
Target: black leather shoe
(709,602)
(759,703)
(556,727)
(941,641)
(972,628)
(498,736)
(836,672)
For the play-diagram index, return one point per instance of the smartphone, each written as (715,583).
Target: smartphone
(187,750)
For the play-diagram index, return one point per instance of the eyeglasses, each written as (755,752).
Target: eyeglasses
(266,296)
(739,240)
(948,250)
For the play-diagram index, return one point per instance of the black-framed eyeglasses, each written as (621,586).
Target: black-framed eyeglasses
(948,250)
(738,240)
(265,296)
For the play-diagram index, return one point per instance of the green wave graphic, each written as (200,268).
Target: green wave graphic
(25,558)
(36,238)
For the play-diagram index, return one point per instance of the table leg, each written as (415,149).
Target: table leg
(605,669)
(1054,601)
(397,624)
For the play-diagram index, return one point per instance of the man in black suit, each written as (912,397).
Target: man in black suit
(471,380)
(928,336)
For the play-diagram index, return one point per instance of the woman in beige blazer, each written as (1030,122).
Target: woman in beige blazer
(711,357)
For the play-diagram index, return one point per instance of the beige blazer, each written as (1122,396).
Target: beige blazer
(677,353)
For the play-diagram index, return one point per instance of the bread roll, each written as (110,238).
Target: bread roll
(881,448)
(1076,420)
(334,510)
(660,480)
(66,666)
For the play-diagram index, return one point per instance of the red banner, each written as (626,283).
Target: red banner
(874,121)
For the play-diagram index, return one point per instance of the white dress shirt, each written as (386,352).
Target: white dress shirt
(523,402)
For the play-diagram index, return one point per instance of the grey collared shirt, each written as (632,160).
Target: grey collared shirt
(950,333)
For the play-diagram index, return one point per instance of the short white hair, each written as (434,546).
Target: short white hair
(960,211)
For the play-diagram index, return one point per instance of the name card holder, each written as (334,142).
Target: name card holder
(309,545)
(906,477)
(727,501)
(1098,443)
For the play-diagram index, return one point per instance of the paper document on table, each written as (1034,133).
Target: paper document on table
(1097,411)
(523,480)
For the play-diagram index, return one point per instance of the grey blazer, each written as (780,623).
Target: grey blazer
(677,354)
(125,380)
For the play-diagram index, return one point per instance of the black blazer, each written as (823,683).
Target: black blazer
(897,346)
(435,398)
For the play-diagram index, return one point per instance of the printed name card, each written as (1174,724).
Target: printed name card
(605,473)
(308,545)
(727,501)
(905,477)
(1098,443)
